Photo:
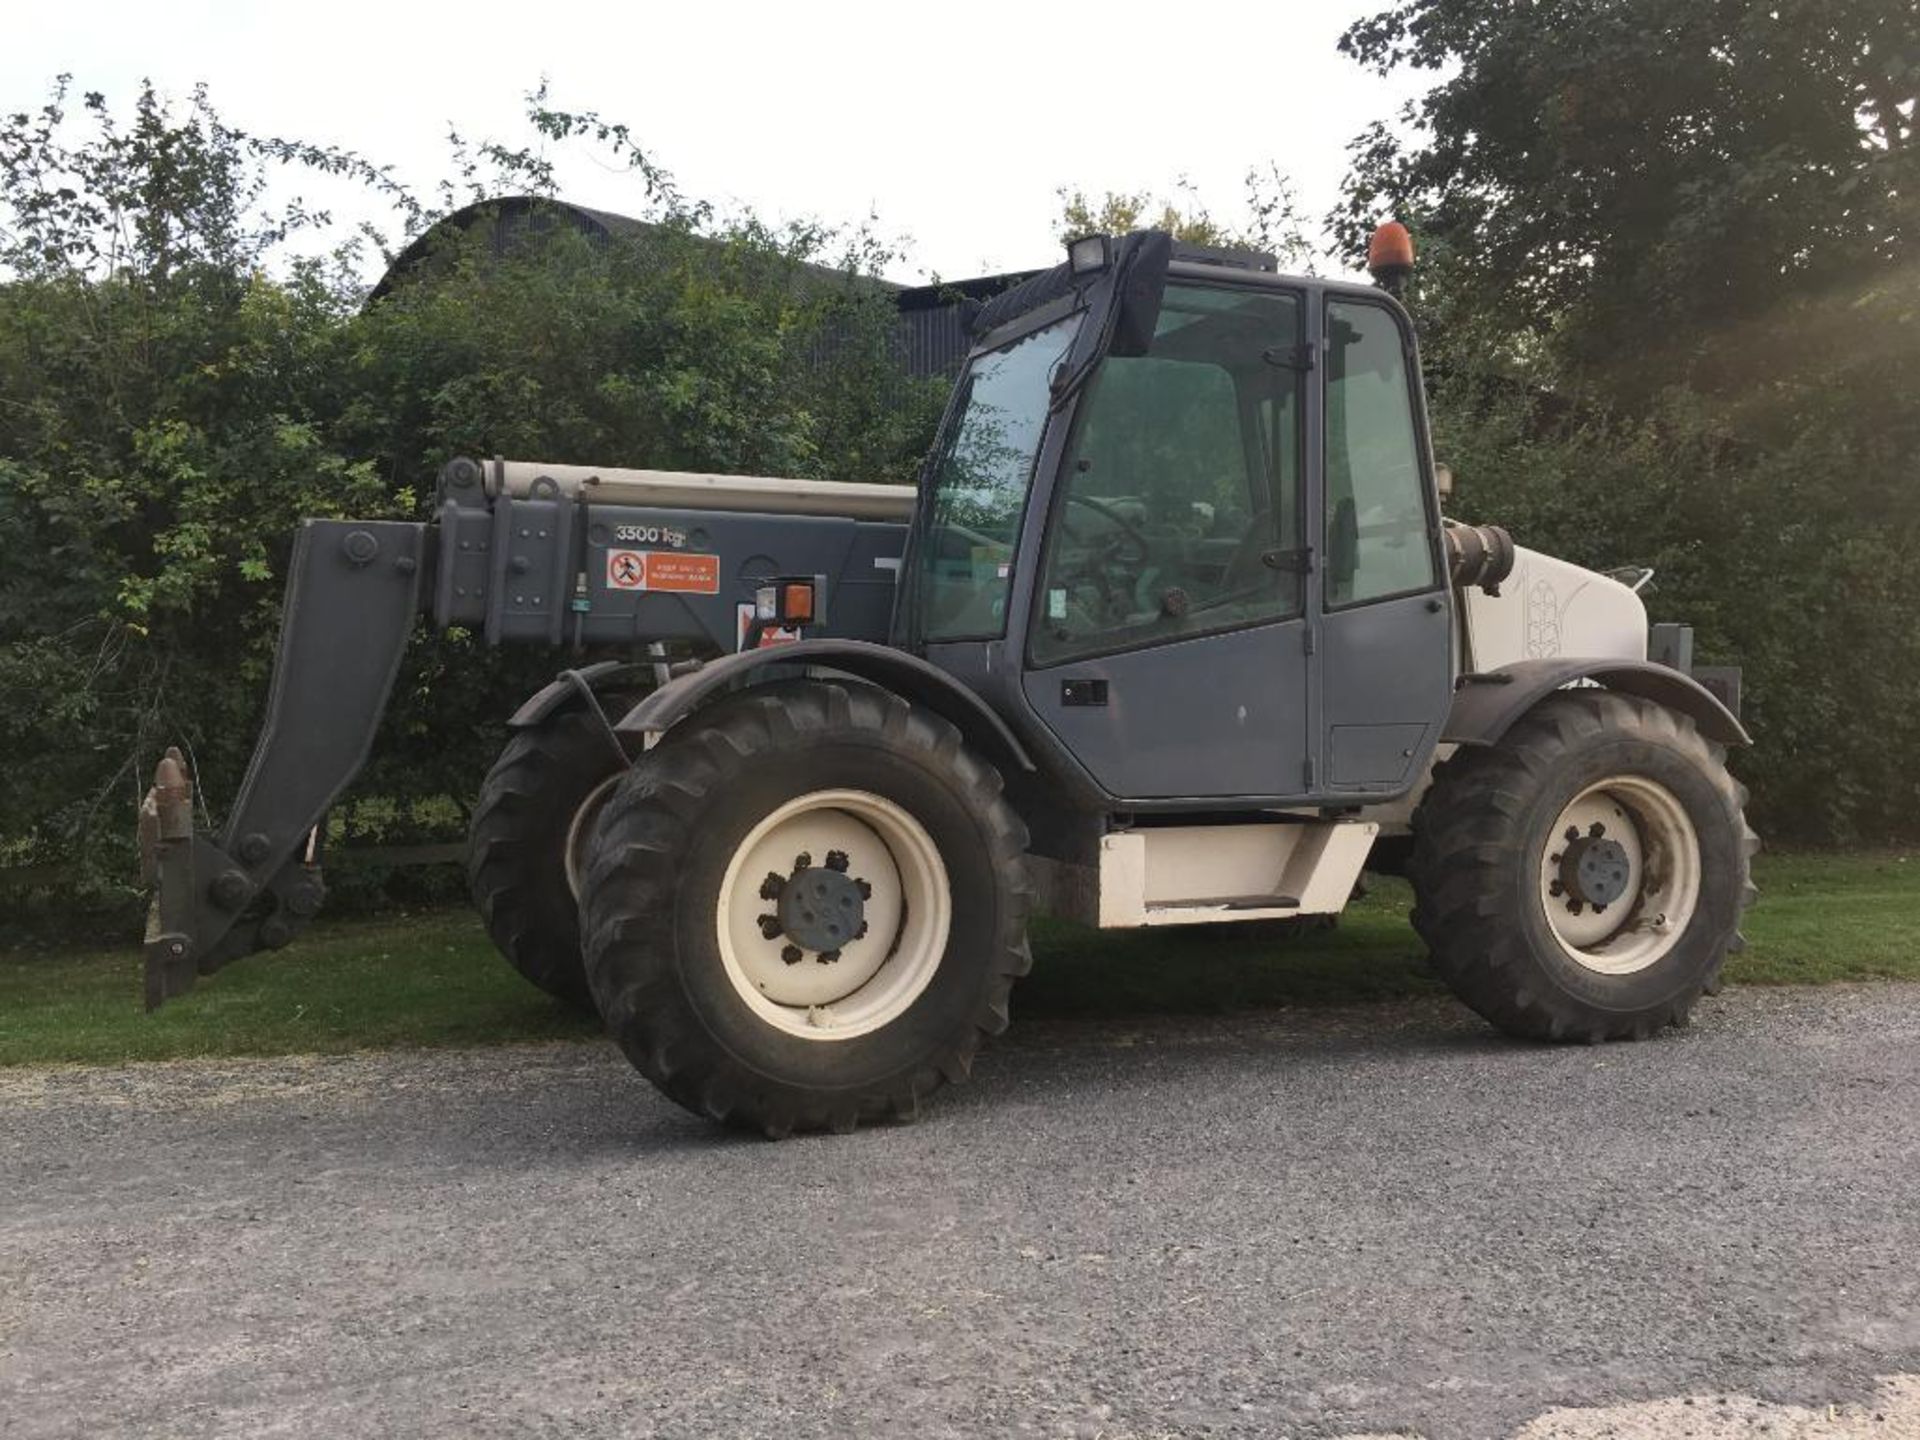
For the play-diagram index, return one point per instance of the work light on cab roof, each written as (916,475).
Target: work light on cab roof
(1089,254)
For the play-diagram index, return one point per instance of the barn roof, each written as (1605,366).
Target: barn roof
(933,317)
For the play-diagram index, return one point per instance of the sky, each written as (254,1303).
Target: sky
(954,127)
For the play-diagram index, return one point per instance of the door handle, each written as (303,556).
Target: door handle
(1083,692)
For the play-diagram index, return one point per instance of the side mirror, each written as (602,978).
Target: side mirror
(1142,283)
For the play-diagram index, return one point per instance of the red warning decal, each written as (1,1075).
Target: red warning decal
(689,574)
(663,570)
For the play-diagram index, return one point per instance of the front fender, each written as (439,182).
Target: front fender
(907,676)
(1487,704)
(565,689)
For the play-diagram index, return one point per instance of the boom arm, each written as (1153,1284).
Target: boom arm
(351,596)
(521,554)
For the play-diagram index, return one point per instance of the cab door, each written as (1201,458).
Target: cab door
(1168,644)
(1386,665)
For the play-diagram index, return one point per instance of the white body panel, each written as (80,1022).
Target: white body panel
(1194,874)
(689,490)
(1547,608)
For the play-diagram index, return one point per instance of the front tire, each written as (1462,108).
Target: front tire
(1584,878)
(527,844)
(805,908)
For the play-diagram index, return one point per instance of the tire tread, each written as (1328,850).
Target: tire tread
(1462,866)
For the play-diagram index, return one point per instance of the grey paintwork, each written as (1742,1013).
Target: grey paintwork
(352,591)
(1314,710)
(1387,679)
(514,568)
(1213,715)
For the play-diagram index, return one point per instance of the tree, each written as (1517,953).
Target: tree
(1638,184)
(1669,294)
(1271,221)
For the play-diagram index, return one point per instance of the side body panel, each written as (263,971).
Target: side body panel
(1387,675)
(1222,714)
(557,571)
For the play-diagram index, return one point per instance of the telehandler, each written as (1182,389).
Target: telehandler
(1173,632)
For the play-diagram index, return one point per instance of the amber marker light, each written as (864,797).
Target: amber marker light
(798,607)
(1390,256)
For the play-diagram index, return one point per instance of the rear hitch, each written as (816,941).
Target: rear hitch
(205,909)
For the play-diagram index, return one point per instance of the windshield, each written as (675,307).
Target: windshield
(981,478)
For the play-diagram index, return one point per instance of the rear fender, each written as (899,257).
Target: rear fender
(1486,705)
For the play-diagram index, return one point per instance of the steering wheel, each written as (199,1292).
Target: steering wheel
(1129,538)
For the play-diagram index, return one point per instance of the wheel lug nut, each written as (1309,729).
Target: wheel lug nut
(771,887)
(1596,830)
(770,926)
(802,860)
(827,957)
(792,954)
(837,860)
(866,890)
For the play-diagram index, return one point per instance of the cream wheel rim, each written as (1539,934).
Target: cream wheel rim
(580,832)
(822,984)
(1620,875)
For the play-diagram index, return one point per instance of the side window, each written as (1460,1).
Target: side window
(980,486)
(1178,511)
(1377,543)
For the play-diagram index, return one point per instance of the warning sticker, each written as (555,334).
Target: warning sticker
(663,570)
(676,570)
(626,570)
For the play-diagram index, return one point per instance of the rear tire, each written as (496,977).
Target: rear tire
(1584,878)
(777,1023)
(536,809)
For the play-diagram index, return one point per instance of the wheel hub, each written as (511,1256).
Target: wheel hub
(833,915)
(1620,874)
(1595,869)
(818,907)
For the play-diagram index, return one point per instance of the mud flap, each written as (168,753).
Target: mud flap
(352,593)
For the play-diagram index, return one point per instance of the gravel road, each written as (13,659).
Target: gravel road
(1299,1223)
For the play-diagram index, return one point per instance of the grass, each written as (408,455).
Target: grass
(433,979)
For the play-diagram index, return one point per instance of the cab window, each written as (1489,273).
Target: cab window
(981,478)
(1376,522)
(1179,508)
